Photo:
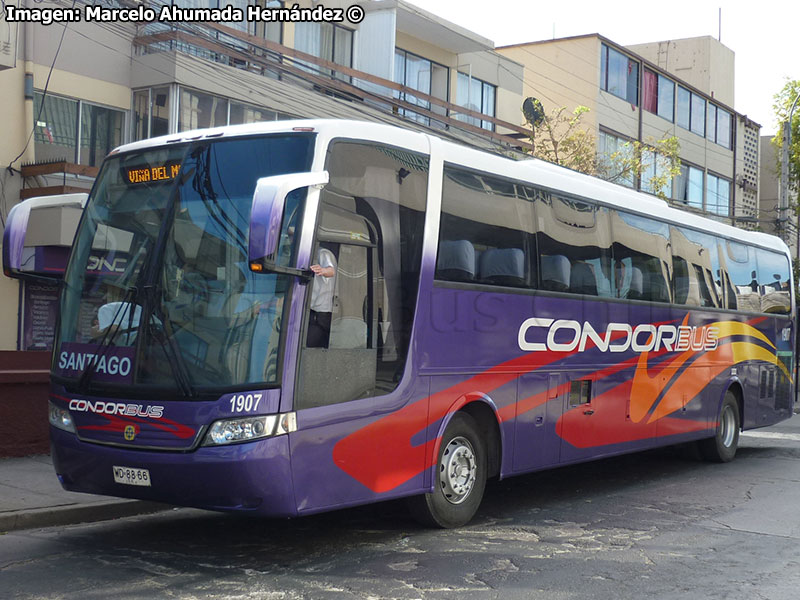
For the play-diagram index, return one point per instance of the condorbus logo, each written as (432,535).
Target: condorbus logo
(565,335)
(117,408)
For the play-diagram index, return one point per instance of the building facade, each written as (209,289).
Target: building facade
(72,94)
(681,88)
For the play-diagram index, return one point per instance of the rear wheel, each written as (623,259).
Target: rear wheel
(460,477)
(722,447)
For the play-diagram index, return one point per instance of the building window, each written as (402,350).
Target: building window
(654,165)
(691,112)
(658,95)
(476,95)
(327,41)
(688,186)
(151,113)
(718,195)
(75,130)
(243,113)
(719,126)
(198,110)
(423,75)
(613,155)
(619,75)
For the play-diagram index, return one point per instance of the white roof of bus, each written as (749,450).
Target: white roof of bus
(535,171)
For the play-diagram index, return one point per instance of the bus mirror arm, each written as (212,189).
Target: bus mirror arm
(305,275)
(266,215)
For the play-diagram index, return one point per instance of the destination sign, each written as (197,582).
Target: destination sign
(151,174)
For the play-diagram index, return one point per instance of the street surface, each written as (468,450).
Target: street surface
(659,525)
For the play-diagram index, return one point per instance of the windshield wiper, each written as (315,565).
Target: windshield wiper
(109,336)
(166,338)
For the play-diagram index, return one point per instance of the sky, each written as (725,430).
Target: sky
(763,35)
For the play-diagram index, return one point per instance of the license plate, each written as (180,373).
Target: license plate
(131,476)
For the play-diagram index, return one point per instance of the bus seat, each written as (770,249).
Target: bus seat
(503,266)
(582,279)
(636,290)
(681,286)
(656,288)
(456,260)
(555,272)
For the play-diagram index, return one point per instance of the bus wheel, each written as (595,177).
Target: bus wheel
(722,447)
(460,477)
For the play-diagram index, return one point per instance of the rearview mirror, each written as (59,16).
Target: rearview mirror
(266,216)
(38,236)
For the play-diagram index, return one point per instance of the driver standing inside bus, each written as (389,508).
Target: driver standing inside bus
(319,323)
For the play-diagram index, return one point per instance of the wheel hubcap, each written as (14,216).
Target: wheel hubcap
(727,425)
(457,470)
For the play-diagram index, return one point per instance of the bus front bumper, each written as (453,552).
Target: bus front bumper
(251,477)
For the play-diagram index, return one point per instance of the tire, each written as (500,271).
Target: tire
(722,447)
(460,477)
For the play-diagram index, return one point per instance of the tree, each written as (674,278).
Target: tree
(782,105)
(560,138)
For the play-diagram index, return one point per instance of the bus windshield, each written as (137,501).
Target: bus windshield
(158,292)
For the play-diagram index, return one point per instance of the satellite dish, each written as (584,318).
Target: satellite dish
(533,111)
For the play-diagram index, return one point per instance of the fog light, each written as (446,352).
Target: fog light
(60,418)
(245,429)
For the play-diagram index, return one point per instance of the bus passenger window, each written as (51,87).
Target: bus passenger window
(579,233)
(643,245)
(486,231)
(741,267)
(773,282)
(694,258)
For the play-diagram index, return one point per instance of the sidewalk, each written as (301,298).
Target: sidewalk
(31,497)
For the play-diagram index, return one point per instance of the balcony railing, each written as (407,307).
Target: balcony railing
(258,55)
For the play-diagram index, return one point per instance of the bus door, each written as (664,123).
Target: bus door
(355,403)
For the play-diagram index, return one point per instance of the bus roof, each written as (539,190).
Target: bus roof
(533,171)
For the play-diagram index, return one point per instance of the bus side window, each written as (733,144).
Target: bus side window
(773,282)
(695,257)
(486,231)
(742,271)
(646,244)
(580,232)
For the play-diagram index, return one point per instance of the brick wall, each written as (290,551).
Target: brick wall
(24,385)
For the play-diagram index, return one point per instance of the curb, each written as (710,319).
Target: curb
(77,513)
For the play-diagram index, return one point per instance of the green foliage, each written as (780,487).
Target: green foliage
(656,162)
(782,106)
(560,138)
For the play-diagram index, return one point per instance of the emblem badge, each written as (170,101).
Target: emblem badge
(130,433)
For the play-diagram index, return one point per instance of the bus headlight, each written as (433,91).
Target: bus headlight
(60,418)
(245,429)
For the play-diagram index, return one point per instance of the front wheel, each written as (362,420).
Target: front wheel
(460,477)
(722,447)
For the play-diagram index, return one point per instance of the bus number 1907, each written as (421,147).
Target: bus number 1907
(245,402)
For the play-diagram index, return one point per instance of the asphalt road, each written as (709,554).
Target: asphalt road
(655,525)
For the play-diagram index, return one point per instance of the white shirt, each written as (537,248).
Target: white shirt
(322,290)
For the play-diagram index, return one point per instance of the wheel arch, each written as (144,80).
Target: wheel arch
(482,408)
(735,387)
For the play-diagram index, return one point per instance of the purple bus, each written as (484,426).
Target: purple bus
(294,317)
